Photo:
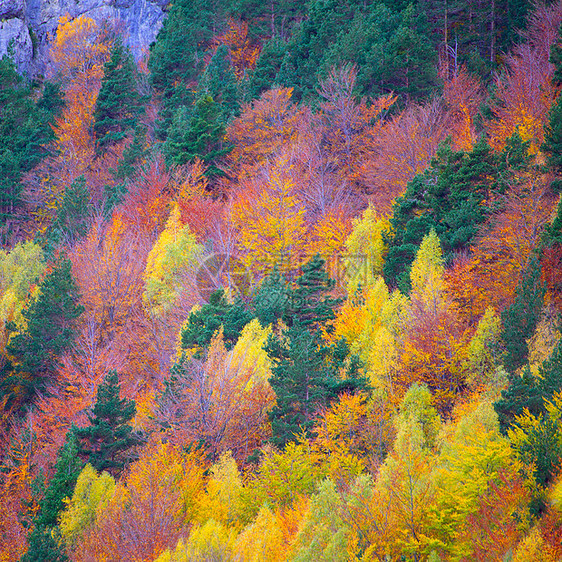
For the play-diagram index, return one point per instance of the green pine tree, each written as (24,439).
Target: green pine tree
(529,392)
(133,155)
(202,325)
(300,381)
(454,196)
(521,317)
(219,82)
(24,132)
(34,352)
(177,57)
(73,215)
(45,541)
(198,133)
(118,103)
(267,67)
(271,299)
(108,440)
(310,303)
(306,372)
(552,145)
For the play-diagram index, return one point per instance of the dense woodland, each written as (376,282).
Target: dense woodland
(287,288)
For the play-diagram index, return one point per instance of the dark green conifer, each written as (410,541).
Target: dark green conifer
(50,320)
(267,67)
(45,541)
(552,145)
(310,303)
(177,57)
(118,104)
(107,441)
(24,131)
(204,323)
(454,196)
(219,82)
(198,133)
(73,215)
(306,372)
(529,392)
(521,317)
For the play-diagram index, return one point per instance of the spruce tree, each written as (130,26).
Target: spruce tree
(306,371)
(49,331)
(118,104)
(267,66)
(310,303)
(271,299)
(45,542)
(219,82)
(552,145)
(204,323)
(73,215)
(300,381)
(454,196)
(521,317)
(107,441)
(24,131)
(176,58)
(198,133)
(529,392)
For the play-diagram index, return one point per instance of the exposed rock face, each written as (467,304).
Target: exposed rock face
(15,38)
(26,25)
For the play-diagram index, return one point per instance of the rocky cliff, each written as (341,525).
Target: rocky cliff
(25,25)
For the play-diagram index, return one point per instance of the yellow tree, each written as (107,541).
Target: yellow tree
(19,269)
(469,463)
(263,539)
(147,512)
(222,498)
(434,339)
(365,250)
(91,492)
(404,480)
(171,265)
(269,219)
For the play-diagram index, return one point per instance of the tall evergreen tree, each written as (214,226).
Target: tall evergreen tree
(306,49)
(392,51)
(552,145)
(198,133)
(45,542)
(73,215)
(107,441)
(24,131)
(454,196)
(49,331)
(201,325)
(267,66)
(529,392)
(309,302)
(521,317)
(219,82)
(176,58)
(307,372)
(118,103)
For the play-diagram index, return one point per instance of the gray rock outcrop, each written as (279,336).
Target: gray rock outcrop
(26,26)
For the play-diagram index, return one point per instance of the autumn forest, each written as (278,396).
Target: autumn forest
(286,286)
